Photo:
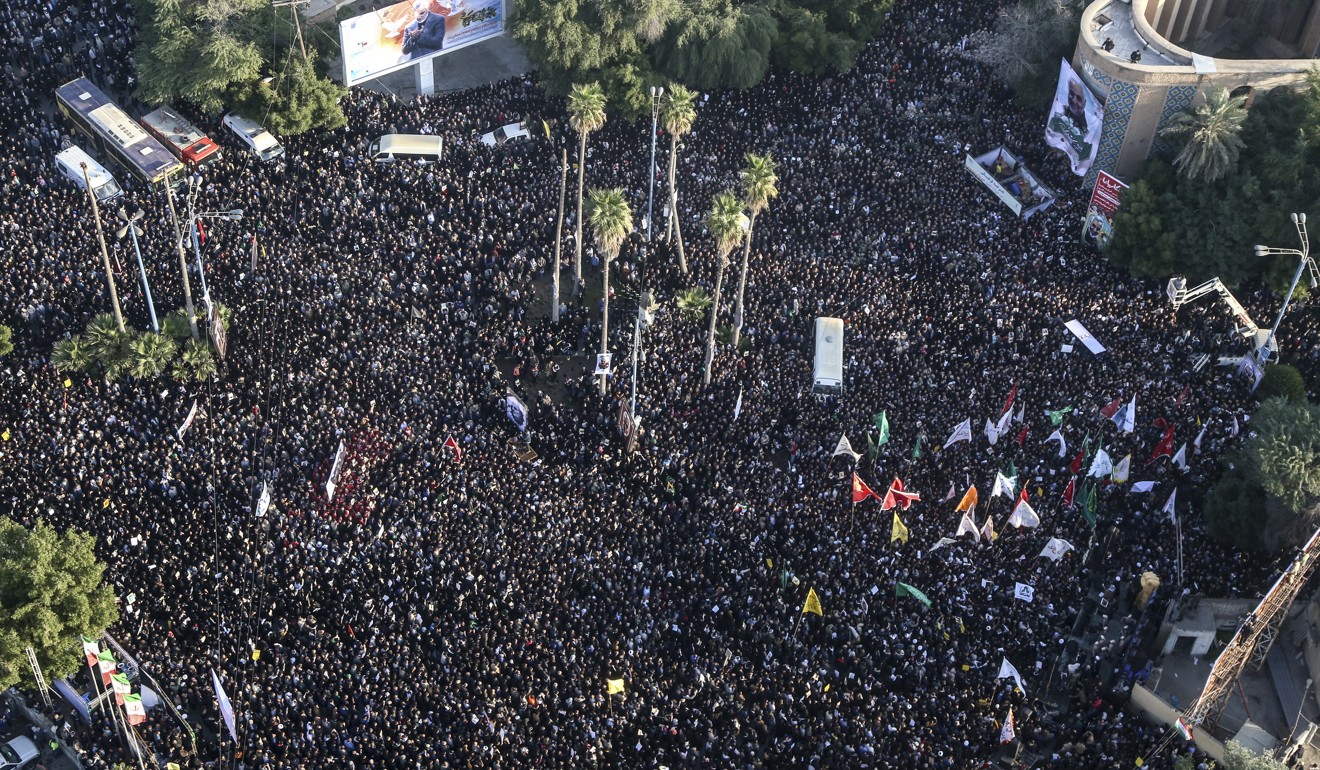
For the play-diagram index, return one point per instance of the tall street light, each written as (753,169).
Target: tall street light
(183,265)
(130,228)
(646,307)
(656,93)
(105,254)
(1304,261)
(194,219)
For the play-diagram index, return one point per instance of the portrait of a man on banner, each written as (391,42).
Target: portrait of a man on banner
(1075,121)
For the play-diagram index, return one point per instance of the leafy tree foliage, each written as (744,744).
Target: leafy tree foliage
(1141,242)
(6,340)
(51,592)
(296,101)
(1283,453)
(1283,381)
(1027,42)
(1235,510)
(1239,757)
(1213,133)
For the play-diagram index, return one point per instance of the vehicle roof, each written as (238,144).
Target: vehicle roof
(172,124)
(416,142)
(24,746)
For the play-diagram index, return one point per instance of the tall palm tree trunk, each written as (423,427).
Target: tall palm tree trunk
(714,314)
(605,324)
(742,284)
(673,203)
(559,235)
(577,241)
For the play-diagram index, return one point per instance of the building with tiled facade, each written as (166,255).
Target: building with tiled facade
(1126,55)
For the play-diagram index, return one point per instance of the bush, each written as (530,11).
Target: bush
(1282,380)
(6,340)
(1235,512)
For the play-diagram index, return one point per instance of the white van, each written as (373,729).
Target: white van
(828,379)
(257,139)
(422,148)
(70,163)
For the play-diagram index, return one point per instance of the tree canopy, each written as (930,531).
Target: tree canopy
(1283,453)
(630,45)
(51,592)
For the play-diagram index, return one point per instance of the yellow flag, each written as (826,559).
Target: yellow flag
(546,126)
(256,654)
(827,688)
(899,532)
(614,685)
(68,383)
(105,503)
(5,435)
(769,563)
(961,628)
(968,501)
(812,604)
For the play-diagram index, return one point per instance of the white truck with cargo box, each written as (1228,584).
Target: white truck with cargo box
(828,376)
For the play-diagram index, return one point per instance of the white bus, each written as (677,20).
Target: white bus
(70,162)
(418,147)
(828,378)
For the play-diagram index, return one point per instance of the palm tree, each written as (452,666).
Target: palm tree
(71,355)
(611,221)
(727,225)
(677,114)
(197,362)
(759,185)
(1213,132)
(151,355)
(107,343)
(586,113)
(692,303)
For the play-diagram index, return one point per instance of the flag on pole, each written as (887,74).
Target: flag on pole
(941,543)
(1063,445)
(1022,435)
(991,432)
(1021,412)
(1056,415)
(1089,505)
(122,687)
(916,448)
(1143,486)
(613,686)
(1007,734)
(188,421)
(1076,465)
(1113,407)
(988,530)
(1008,403)
(844,447)
(1165,446)
(737,406)
(91,651)
(226,708)
(106,663)
(1199,436)
(1069,492)
(1024,592)
(1170,507)
(898,496)
(1127,419)
(1101,466)
(963,432)
(1180,457)
(1004,485)
(969,500)
(1055,549)
(882,428)
(458,450)
(1184,729)
(952,493)
(812,604)
(968,526)
(137,713)
(1122,469)
(1008,671)
(898,531)
(1023,515)
(903,589)
(1005,423)
(860,491)
(872,448)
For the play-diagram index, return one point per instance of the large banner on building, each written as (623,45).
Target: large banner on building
(1076,119)
(1106,196)
(402,34)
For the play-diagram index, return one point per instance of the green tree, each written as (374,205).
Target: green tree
(1024,46)
(196,363)
(1282,380)
(678,111)
(109,345)
(1239,757)
(296,101)
(586,113)
(6,340)
(1141,241)
(611,221)
(759,184)
(1213,133)
(151,355)
(719,45)
(1235,510)
(806,43)
(72,356)
(692,303)
(51,592)
(727,224)
(1283,452)
(194,51)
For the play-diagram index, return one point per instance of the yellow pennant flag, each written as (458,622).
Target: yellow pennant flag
(68,383)
(812,604)
(769,563)
(899,532)
(105,503)
(827,688)
(5,435)
(961,628)
(256,654)
(968,501)
(546,126)
(614,686)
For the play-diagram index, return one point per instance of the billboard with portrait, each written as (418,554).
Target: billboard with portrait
(1076,120)
(1099,228)
(405,33)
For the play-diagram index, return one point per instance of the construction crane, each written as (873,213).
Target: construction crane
(1253,639)
(1180,295)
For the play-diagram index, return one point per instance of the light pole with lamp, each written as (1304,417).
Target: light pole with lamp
(1304,261)
(646,307)
(656,93)
(194,218)
(183,265)
(105,253)
(130,228)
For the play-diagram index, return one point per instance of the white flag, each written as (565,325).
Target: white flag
(516,411)
(1005,420)
(1236,428)
(991,433)
(1004,485)
(737,407)
(952,493)
(1007,671)
(187,423)
(1169,507)
(1063,445)
(968,526)
(1199,436)
(1122,469)
(941,543)
(1055,549)
(961,433)
(335,467)
(1024,592)
(1180,457)
(226,710)
(845,448)
(1024,516)
(1143,486)
(1101,466)
(988,531)
(1022,410)
(1127,418)
(1007,733)
(263,500)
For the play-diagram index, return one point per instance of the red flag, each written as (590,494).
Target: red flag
(1112,409)
(1165,447)
(1076,465)
(1022,435)
(861,491)
(1187,391)
(201,232)
(1008,405)
(1069,492)
(1161,423)
(896,496)
(452,444)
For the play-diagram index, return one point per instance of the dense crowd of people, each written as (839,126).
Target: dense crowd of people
(466,608)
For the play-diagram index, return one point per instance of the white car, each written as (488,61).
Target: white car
(17,753)
(510,133)
(257,138)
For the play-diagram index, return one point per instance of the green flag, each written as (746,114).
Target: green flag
(903,589)
(1089,505)
(882,427)
(1056,417)
(916,450)
(872,448)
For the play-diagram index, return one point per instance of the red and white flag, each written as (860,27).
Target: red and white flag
(860,490)
(1165,446)
(1112,409)
(1069,492)
(458,450)
(898,496)
(1023,514)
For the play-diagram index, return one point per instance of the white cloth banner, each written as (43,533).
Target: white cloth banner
(1008,671)
(844,447)
(1122,469)
(1055,549)
(187,423)
(1024,592)
(1101,466)
(991,432)
(1080,332)
(1063,443)
(1024,516)
(263,500)
(1004,486)
(1075,121)
(226,709)
(334,472)
(1171,507)
(961,433)
(968,526)
(1143,486)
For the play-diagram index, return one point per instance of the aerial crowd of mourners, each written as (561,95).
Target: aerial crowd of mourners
(548,598)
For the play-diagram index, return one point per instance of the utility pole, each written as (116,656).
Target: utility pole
(105,254)
(130,228)
(183,266)
(656,93)
(297,23)
(559,232)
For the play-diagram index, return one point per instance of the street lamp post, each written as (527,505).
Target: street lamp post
(1303,262)
(656,93)
(183,265)
(194,217)
(105,254)
(646,307)
(130,228)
